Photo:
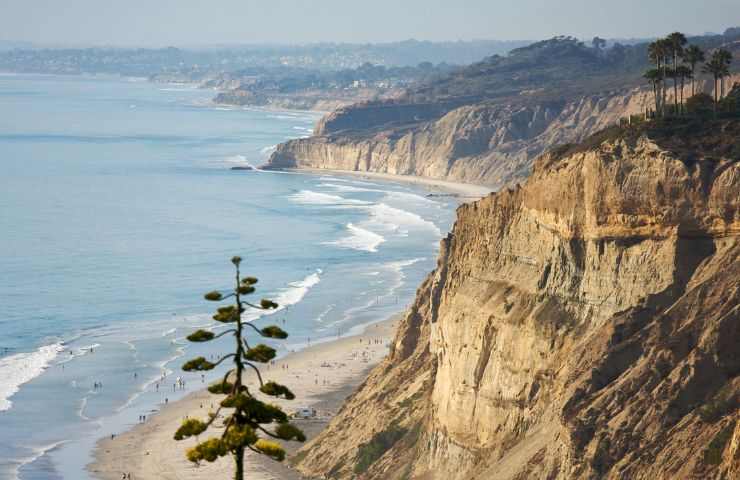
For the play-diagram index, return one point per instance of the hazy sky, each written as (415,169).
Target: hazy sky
(202,22)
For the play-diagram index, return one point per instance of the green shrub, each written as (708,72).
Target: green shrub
(713,452)
(718,407)
(298,457)
(700,104)
(368,453)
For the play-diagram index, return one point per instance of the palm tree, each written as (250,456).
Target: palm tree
(670,73)
(719,67)
(725,60)
(683,72)
(657,53)
(675,43)
(714,67)
(693,56)
(654,77)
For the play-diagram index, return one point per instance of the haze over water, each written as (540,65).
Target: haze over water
(118,210)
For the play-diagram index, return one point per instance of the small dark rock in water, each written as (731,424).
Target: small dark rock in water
(244,167)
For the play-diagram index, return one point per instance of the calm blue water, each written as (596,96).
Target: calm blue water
(118,210)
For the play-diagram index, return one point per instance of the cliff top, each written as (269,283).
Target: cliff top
(552,70)
(690,138)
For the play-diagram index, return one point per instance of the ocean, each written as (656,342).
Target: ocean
(119,209)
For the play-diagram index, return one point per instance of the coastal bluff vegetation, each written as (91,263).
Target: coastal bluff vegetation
(487,122)
(581,325)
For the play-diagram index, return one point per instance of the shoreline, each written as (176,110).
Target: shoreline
(467,192)
(264,108)
(321,376)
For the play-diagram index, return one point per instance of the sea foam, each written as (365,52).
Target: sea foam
(394,218)
(382,217)
(309,197)
(239,161)
(268,150)
(297,290)
(359,239)
(391,194)
(15,370)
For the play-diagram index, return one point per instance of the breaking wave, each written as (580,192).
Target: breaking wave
(297,290)
(394,218)
(268,150)
(239,161)
(359,239)
(15,370)
(309,197)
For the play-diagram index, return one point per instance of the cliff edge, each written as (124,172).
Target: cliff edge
(486,123)
(583,325)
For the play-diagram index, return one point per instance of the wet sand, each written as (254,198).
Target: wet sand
(321,376)
(464,191)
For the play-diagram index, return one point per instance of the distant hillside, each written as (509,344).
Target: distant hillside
(485,123)
(196,64)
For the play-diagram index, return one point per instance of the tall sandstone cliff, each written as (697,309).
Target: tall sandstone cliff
(583,325)
(492,143)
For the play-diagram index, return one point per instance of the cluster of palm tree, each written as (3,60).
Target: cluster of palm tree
(676,61)
(719,67)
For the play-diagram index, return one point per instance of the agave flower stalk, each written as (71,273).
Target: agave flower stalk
(250,424)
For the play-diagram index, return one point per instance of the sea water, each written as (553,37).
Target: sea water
(119,209)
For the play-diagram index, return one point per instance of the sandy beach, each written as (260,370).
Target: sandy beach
(321,376)
(464,191)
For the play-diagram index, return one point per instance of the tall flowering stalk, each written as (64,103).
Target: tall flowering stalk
(250,423)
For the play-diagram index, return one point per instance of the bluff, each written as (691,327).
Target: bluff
(582,325)
(486,123)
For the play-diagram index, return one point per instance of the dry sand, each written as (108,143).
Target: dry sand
(321,376)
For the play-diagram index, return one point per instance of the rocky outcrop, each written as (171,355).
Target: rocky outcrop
(583,325)
(491,143)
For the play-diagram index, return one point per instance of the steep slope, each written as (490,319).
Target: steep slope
(489,143)
(585,325)
(486,123)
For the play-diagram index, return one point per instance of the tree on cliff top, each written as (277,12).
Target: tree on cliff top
(676,42)
(244,426)
(658,52)
(719,67)
(693,56)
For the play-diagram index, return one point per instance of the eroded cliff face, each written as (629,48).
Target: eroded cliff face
(490,143)
(584,325)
